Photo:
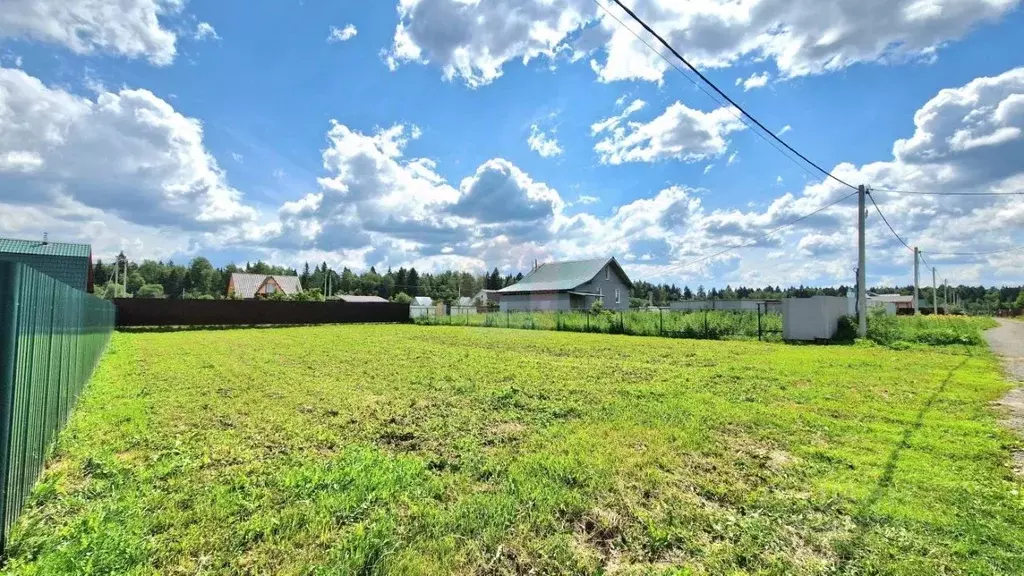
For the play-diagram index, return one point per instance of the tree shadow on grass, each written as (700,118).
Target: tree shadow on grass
(848,549)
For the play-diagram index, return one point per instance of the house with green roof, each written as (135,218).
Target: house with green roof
(573,285)
(69,263)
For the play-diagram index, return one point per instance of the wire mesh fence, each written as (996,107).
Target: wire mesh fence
(701,324)
(51,336)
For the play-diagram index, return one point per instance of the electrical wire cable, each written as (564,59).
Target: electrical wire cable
(920,193)
(710,95)
(723,94)
(920,254)
(891,229)
(759,238)
(1004,251)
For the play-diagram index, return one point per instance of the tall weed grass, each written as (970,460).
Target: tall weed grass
(927,330)
(709,324)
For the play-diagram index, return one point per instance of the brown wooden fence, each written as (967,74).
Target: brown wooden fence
(160,312)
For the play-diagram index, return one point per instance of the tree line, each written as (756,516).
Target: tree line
(975,300)
(200,279)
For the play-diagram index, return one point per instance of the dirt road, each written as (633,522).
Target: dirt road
(1008,341)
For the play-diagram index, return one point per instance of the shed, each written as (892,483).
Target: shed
(422,306)
(464,305)
(487,297)
(68,263)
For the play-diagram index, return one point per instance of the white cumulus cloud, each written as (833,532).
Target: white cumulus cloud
(131,28)
(754,81)
(205,30)
(541,143)
(342,34)
(680,133)
(128,153)
(473,41)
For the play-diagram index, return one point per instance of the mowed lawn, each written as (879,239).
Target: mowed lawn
(436,450)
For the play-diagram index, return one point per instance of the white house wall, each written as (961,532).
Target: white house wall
(535,302)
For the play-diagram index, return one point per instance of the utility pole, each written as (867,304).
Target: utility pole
(862,296)
(935,294)
(917,277)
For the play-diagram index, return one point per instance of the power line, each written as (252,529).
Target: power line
(920,193)
(891,229)
(726,96)
(1004,251)
(703,89)
(920,254)
(759,238)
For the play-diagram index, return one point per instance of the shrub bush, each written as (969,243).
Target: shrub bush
(846,331)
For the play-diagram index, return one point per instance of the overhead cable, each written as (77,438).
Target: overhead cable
(759,238)
(723,94)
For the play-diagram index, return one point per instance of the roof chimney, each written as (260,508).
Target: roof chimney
(45,236)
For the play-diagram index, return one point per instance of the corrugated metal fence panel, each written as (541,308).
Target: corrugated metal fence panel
(51,336)
(166,312)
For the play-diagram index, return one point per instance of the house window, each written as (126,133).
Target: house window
(616,295)
(271,288)
(607,273)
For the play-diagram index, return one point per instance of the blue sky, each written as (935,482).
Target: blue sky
(240,130)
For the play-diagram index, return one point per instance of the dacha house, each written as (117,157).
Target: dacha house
(249,286)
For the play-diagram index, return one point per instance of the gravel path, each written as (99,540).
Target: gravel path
(1008,341)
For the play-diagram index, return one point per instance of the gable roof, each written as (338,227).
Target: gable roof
(360,299)
(38,248)
(561,276)
(246,285)
(422,301)
(464,301)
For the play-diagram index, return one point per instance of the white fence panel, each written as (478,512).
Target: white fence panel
(814,318)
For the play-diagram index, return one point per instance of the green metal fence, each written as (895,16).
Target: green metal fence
(51,336)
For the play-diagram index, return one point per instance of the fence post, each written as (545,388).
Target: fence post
(558,320)
(661,321)
(588,320)
(706,321)
(759,321)
(508,318)
(622,324)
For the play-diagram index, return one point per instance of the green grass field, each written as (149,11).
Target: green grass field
(436,450)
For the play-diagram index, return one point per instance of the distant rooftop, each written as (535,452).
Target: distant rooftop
(40,248)
(890,298)
(245,285)
(559,276)
(352,299)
